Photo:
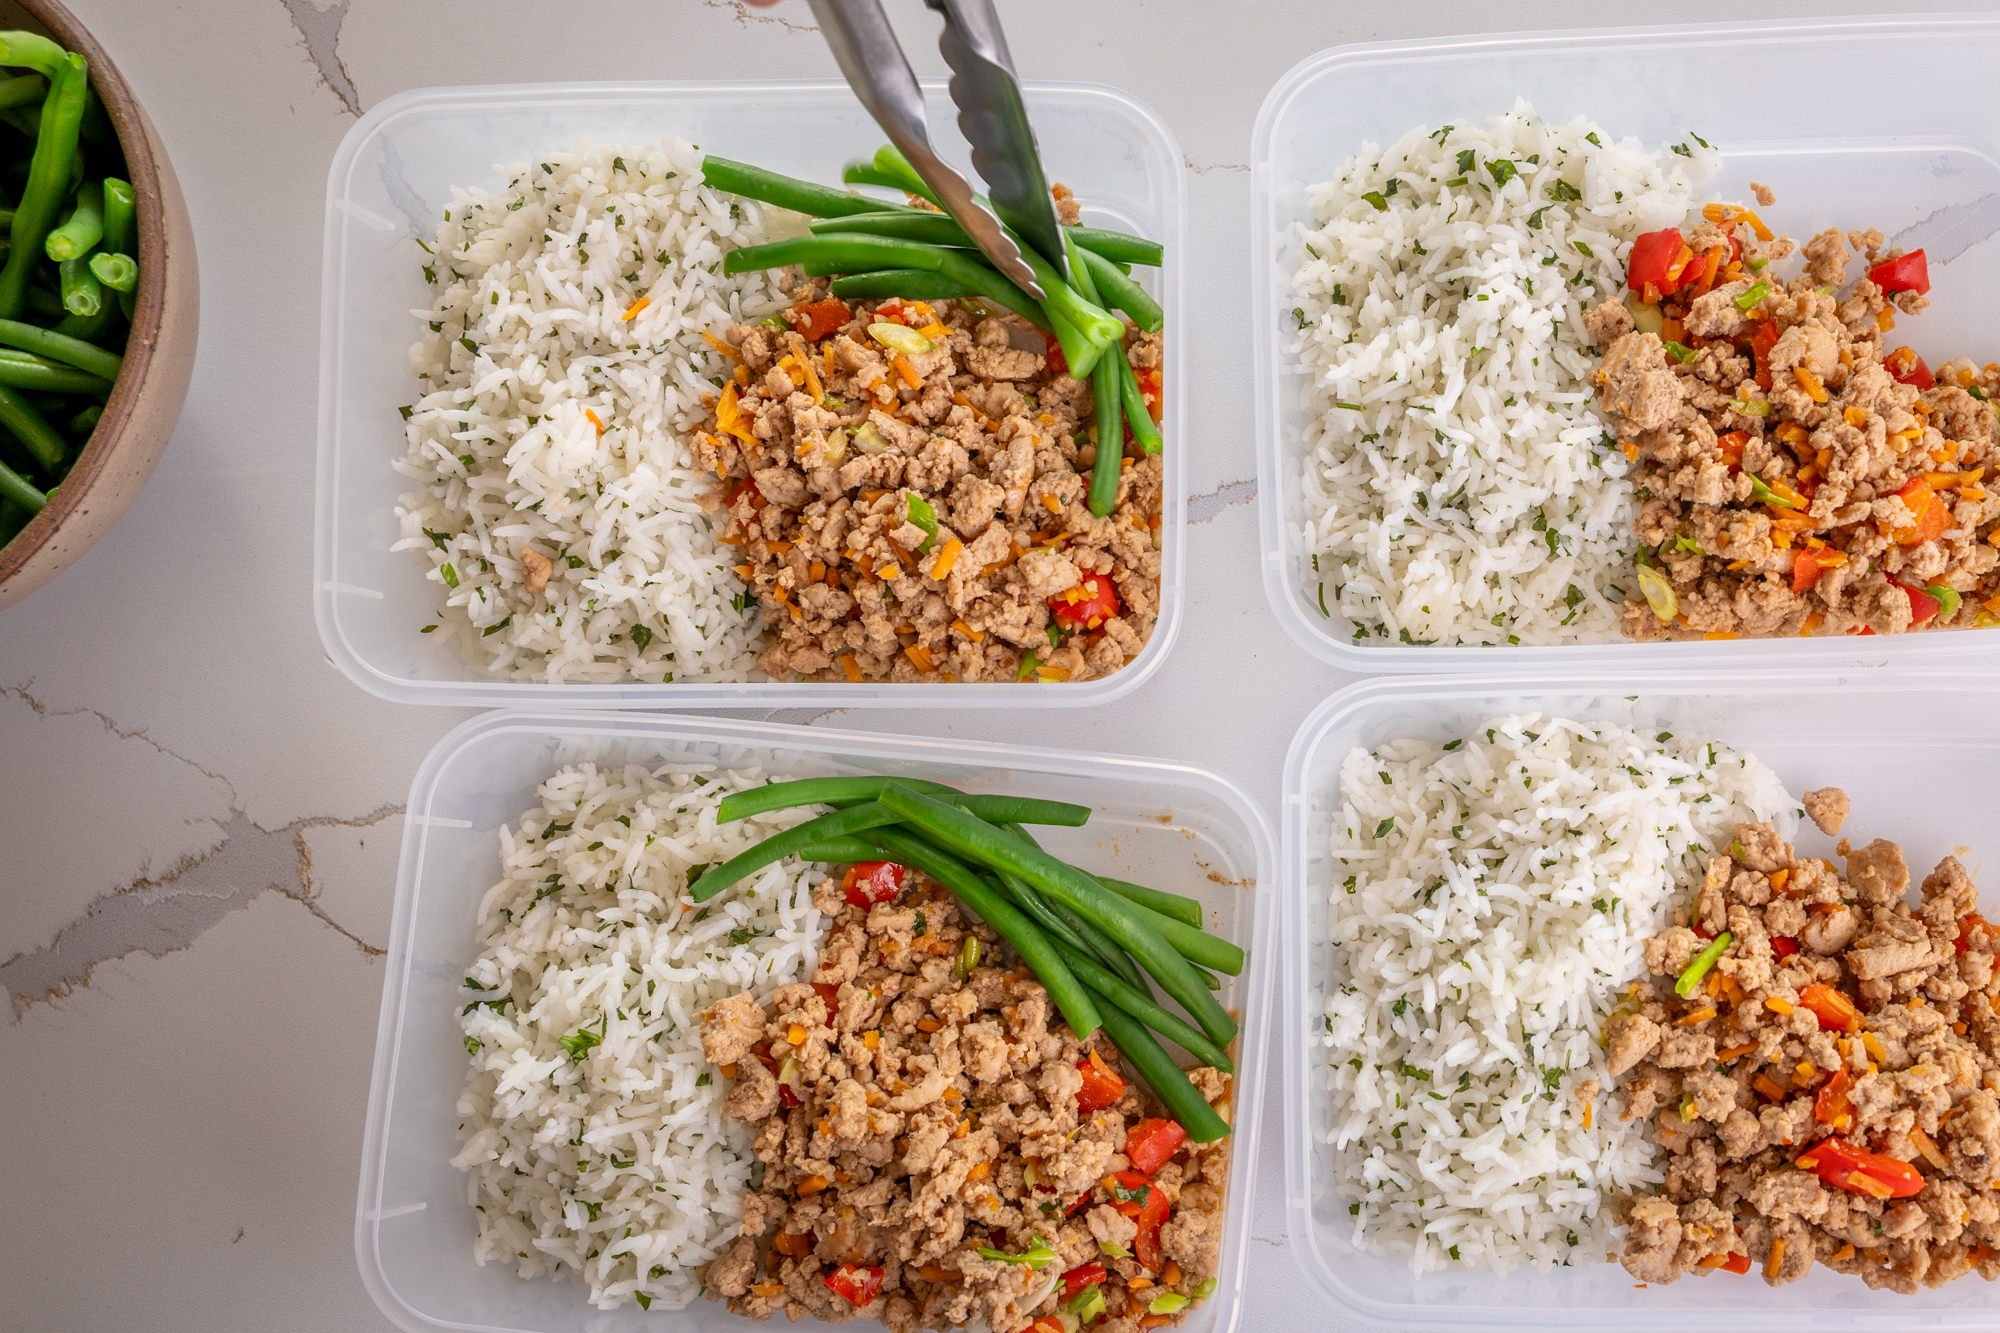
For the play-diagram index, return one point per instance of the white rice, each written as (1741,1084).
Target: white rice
(616,1169)
(1458,486)
(525,338)
(1495,899)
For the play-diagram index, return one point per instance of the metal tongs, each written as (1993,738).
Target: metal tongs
(990,115)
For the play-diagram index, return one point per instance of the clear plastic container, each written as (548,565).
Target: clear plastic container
(1921,165)
(388,183)
(1921,760)
(1175,826)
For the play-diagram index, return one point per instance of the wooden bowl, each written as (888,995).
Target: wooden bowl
(159,356)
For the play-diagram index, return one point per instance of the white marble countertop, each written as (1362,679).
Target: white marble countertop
(203,815)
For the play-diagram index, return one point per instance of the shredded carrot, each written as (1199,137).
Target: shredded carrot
(1713,1261)
(976,635)
(1844,1252)
(1778,878)
(743,376)
(1813,622)
(1866,1184)
(632,311)
(1810,383)
(1928,1147)
(1138,1283)
(1721,634)
(1170,1274)
(872,1039)
(1769,1086)
(816,571)
(729,416)
(1777,1259)
(812,1185)
(1792,433)
(744,570)
(1051,673)
(920,657)
(1701,1015)
(1886,320)
(853,670)
(928,1024)
(1959,1028)
(729,1071)
(767,1289)
(1778,1006)
(1723,215)
(595,420)
(907,370)
(1050,503)
(966,403)
(981,1171)
(1629,449)
(1873,1045)
(722,347)
(947,558)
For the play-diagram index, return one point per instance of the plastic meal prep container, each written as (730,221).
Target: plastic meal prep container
(1920,757)
(389,182)
(1173,826)
(1777,100)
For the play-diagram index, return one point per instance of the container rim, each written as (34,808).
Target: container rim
(328,589)
(1258,981)
(1293,864)
(1288,603)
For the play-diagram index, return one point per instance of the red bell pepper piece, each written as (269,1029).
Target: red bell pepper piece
(1761,343)
(1150,388)
(1084,1275)
(1931,516)
(870,882)
(1652,256)
(1147,1205)
(1840,1163)
(856,1284)
(1784,946)
(1102,1085)
(1150,1143)
(1905,273)
(1922,605)
(818,319)
(1087,605)
(1835,1012)
(1731,444)
(1906,367)
(1058,363)
(1805,573)
(1831,1106)
(1735,1263)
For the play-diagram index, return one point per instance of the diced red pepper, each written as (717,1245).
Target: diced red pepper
(1831,1106)
(1102,1085)
(1048,1323)
(1150,1213)
(739,488)
(1835,1012)
(1923,606)
(1761,343)
(786,1097)
(820,318)
(1905,273)
(1931,516)
(1150,388)
(891,311)
(1084,1275)
(1906,367)
(1965,925)
(1735,1263)
(1806,570)
(1150,1143)
(1652,256)
(856,1284)
(1088,605)
(1732,444)
(1058,363)
(1784,946)
(1840,1163)
(868,883)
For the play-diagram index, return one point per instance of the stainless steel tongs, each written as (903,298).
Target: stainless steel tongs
(990,115)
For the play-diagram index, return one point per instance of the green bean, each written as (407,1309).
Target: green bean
(814,791)
(906,225)
(1182,1099)
(912,283)
(840,851)
(972,837)
(1097,328)
(84,422)
(12,519)
(780,845)
(1069,994)
(48,177)
(18,372)
(1066,926)
(82,229)
(851,252)
(121,218)
(1110,403)
(23,89)
(82,293)
(15,487)
(992,285)
(1120,246)
(1135,1001)
(56,347)
(897,171)
(1138,415)
(863,172)
(1197,946)
(1101,945)
(45,301)
(1117,290)
(97,329)
(1166,904)
(33,51)
(1037,909)
(1078,354)
(33,430)
(118,272)
(769,187)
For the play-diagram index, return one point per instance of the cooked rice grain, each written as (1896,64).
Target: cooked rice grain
(606,1159)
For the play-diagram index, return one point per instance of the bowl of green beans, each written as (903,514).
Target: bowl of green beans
(98,295)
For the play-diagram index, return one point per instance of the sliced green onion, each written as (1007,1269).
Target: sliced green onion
(1171,1303)
(1947,598)
(918,511)
(1703,961)
(1751,407)
(1660,594)
(1036,1256)
(1757,262)
(1205,1290)
(1114,1249)
(1087,1304)
(1681,352)
(1763,494)
(1756,292)
(900,338)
